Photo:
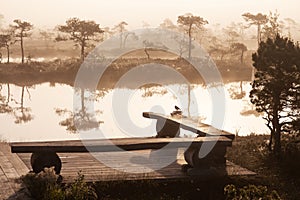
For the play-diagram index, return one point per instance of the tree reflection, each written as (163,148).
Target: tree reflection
(151,89)
(249,109)
(22,114)
(80,120)
(4,101)
(237,92)
(187,89)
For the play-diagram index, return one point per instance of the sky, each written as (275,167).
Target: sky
(49,13)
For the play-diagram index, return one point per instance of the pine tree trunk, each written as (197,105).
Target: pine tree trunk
(22,48)
(7,49)
(82,50)
(258,35)
(8,93)
(22,98)
(121,40)
(271,141)
(189,100)
(242,57)
(82,101)
(277,129)
(146,52)
(190,41)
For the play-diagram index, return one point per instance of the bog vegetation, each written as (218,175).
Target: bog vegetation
(263,43)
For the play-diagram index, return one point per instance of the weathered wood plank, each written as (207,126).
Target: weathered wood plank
(192,125)
(11,168)
(94,170)
(110,145)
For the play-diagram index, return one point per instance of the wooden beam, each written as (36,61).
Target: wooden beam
(120,144)
(189,124)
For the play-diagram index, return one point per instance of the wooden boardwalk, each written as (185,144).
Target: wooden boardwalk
(11,169)
(13,166)
(95,170)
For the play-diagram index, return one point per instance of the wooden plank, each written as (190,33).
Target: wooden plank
(11,168)
(14,159)
(192,125)
(110,145)
(94,170)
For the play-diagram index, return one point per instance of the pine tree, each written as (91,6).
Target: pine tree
(276,87)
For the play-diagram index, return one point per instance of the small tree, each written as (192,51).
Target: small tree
(188,22)
(276,87)
(291,24)
(5,40)
(120,28)
(239,47)
(168,24)
(257,20)
(21,30)
(231,33)
(273,27)
(80,31)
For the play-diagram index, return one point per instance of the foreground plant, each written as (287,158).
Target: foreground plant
(252,192)
(47,185)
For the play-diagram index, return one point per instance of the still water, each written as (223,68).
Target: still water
(46,111)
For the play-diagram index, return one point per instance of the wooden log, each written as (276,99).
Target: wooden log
(167,128)
(216,157)
(43,159)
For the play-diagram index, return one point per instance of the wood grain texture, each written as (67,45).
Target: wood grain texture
(190,124)
(120,144)
(95,170)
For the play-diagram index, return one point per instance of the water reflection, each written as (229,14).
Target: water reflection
(80,120)
(4,101)
(153,89)
(22,114)
(236,91)
(45,112)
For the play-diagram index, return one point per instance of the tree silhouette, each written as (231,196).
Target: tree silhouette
(291,24)
(79,120)
(21,30)
(273,27)
(6,39)
(237,92)
(168,24)
(120,28)
(218,50)
(188,22)
(126,35)
(80,31)
(276,87)
(147,46)
(4,102)
(257,20)
(231,34)
(240,48)
(22,114)
(47,36)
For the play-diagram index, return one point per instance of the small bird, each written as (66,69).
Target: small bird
(177,113)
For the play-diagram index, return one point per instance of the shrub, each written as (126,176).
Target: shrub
(47,185)
(39,184)
(250,192)
(80,190)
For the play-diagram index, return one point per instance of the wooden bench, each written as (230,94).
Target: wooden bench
(169,126)
(44,154)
